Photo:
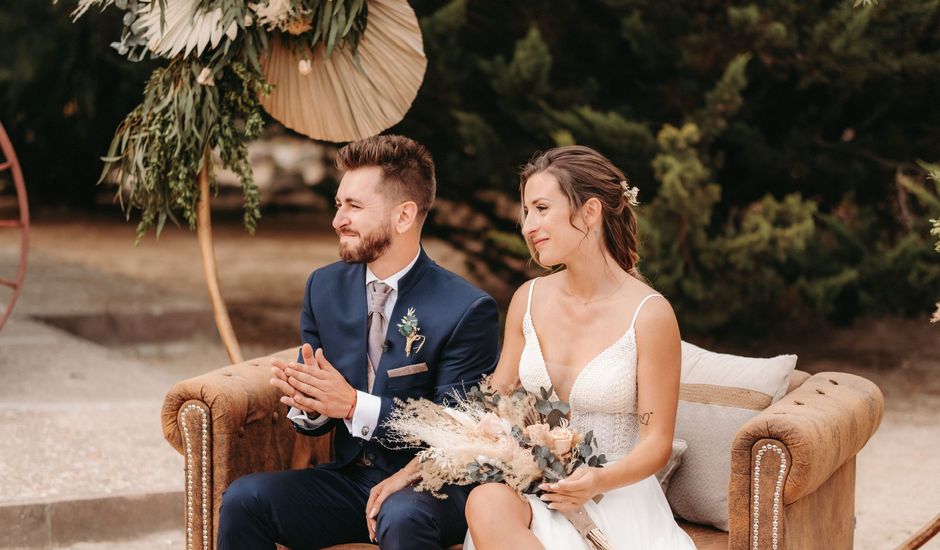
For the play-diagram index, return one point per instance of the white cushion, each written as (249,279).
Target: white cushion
(664,475)
(718,394)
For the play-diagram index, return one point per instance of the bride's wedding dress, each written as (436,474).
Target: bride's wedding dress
(603,399)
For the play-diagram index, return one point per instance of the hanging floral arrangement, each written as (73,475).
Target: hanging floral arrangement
(335,70)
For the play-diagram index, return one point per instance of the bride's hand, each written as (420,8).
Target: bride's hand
(572,492)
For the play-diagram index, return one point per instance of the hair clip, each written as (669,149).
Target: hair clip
(631,193)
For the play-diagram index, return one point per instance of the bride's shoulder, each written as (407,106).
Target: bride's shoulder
(546,283)
(639,289)
(655,316)
(519,302)
(520,298)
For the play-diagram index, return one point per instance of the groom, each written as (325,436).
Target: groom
(386,323)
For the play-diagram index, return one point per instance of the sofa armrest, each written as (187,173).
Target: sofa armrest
(793,448)
(228,423)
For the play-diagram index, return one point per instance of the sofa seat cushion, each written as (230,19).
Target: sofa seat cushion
(704,536)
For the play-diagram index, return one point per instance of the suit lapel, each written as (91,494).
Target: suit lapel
(359,308)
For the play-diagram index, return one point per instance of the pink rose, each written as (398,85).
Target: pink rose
(538,433)
(507,447)
(491,425)
(561,440)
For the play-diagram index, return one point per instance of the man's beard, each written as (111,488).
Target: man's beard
(371,246)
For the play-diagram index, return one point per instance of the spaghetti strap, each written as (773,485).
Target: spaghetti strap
(639,307)
(528,305)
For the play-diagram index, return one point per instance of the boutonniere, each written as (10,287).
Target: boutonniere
(409,329)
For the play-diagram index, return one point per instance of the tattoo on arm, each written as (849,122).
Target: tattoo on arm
(645,418)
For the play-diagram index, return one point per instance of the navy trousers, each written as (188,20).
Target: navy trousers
(319,507)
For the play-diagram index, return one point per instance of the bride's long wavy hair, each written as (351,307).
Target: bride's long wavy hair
(583,173)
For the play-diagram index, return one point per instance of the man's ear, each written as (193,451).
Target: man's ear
(406,217)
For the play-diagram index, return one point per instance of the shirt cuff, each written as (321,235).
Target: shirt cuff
(366,416)
(306,421)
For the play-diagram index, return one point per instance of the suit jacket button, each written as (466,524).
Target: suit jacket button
(370,457)
(365,431)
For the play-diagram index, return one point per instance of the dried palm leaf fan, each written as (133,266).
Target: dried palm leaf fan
(331,98)
(181,27)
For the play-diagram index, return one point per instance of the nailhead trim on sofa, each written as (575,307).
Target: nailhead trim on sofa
(755,535)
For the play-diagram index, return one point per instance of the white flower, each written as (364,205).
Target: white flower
(304,67)
(277,14)
(205,77)
(630,193)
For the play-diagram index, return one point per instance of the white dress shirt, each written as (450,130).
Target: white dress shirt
(368,406)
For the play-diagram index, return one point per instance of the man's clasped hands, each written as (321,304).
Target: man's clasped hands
(313,386)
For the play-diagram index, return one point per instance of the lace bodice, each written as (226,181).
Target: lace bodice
(603,396)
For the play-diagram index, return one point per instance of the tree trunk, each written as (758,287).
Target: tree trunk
(204,231)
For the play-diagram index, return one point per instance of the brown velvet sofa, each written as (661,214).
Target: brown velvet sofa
(792,466)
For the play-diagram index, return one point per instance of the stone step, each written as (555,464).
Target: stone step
(163,539)
(107,521)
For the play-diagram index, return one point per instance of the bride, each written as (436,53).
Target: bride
(607,344)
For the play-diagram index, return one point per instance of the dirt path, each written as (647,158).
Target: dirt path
(898,483)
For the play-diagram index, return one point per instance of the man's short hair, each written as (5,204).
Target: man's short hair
(407,167)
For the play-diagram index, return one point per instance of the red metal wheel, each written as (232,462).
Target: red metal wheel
(10,162)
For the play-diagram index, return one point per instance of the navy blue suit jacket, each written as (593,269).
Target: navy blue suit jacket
(460,324)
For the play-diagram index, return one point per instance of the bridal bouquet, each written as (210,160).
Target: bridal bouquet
(521,440)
